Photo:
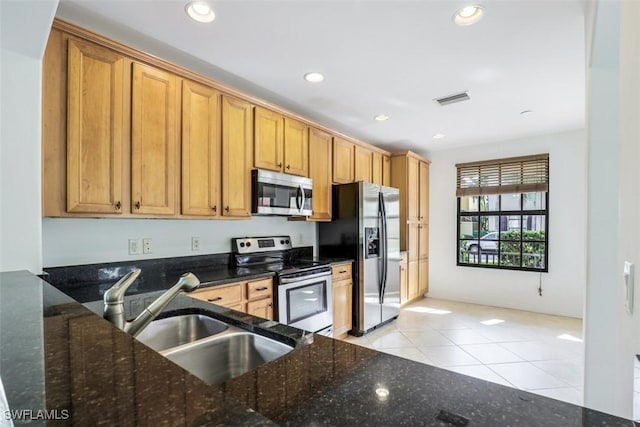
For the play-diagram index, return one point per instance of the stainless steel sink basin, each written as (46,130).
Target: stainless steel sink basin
(174,331)
(219,358)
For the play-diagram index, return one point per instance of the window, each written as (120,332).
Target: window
(503,213)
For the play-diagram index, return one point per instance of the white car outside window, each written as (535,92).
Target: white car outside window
(488,243)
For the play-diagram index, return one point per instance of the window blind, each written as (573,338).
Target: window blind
(527,174)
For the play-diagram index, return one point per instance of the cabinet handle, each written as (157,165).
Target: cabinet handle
(214,208)
(280,164)
(214,299)
(270,305)
(227,209)
(343,271)
(262,289)
(288,166)
(118,205)
(137,205)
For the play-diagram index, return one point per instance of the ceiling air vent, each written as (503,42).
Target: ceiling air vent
(452,99)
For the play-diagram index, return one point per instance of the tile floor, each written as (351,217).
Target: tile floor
(539,353)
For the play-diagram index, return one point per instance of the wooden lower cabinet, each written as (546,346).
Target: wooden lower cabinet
(261,308)
(253,297)
(342,290)
(413,280)
(423,276)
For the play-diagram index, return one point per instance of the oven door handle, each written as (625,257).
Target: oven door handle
(302,278)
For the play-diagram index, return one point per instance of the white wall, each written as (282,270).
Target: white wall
(71,241)
(611,334)
(25,27)
(563,286)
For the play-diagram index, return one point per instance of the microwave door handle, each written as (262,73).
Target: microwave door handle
(303,198)
(298,197)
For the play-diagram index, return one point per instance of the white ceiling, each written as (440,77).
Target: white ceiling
(387,57)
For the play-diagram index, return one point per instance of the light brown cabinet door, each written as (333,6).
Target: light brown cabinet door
(320,149)
(200,150)
(423,241)
(342,161)
(404,290)
(413,241)
(413,289)
(296,147)
(386,171)
(423,206)
(261,308)
(268,139)
(362,164)
(237,144)
(94,129)
(342,292)
(376,168)
(423,276)
(154,141)
(413,193)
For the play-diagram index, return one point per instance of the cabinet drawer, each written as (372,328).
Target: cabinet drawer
(259,289)
(341,272)
(221,295)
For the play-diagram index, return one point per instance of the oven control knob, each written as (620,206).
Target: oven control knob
(287,242)
(242,245)
(248,244)
(282,242)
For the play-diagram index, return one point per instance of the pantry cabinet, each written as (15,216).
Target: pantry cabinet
(410,173)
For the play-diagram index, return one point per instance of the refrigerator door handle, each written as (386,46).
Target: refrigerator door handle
(383,246)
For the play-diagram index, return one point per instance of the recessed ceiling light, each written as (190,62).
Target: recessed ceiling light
(523,112)
(439,136)
(200,11)
(468,15)
(314,77)
(381,117)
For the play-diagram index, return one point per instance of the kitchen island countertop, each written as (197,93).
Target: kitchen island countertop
(58,355)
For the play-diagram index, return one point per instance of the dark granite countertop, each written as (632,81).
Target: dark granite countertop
(57,354)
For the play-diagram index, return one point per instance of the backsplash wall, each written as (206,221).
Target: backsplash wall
(72,241)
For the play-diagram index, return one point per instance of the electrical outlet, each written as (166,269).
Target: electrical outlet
(134,246)
(147,247)
(195,243)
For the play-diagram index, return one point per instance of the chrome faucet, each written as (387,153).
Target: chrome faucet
(114,301)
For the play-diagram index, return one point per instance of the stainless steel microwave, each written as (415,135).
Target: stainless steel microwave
(276,193)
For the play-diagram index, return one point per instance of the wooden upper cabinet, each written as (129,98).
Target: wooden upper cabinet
(363,162)
(386,171)
(94,129)
(237,144)
(268,139)
(423,206)
(200,150)
(153,141)
(320,149)
(296,147)
(376,168)
(413,192)
(343,152)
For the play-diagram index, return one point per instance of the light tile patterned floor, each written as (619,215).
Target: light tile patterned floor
(539,353)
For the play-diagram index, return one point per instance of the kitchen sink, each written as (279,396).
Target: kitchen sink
(174,331)
(210,349)
(219,358)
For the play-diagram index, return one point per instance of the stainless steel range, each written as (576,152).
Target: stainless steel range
(302,297)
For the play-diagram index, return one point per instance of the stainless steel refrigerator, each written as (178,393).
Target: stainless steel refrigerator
(365,227)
